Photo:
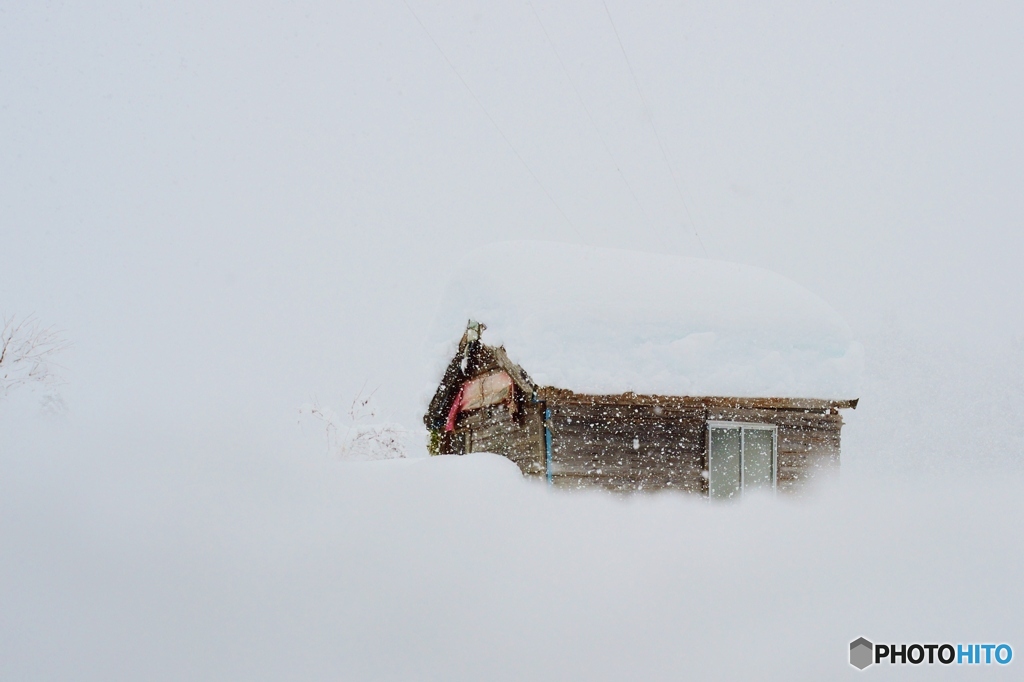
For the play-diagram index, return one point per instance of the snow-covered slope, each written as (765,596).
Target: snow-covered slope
(598,320)
(192,561)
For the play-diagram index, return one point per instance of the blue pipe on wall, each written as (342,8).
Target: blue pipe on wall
(547,445)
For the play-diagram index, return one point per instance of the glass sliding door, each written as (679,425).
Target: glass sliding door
(740,457)
(758,459)
(724,463)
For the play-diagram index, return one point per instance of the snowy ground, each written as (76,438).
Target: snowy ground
(254,566)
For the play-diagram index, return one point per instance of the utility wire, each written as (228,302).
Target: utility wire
(593,123)
(491,119)
(650,119)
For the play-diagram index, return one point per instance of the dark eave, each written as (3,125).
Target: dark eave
(682,402)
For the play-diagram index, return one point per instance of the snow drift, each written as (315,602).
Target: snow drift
(189,560)
(606,321)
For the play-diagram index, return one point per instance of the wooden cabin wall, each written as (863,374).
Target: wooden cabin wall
(592,435)
(592,446)
(592,441)
(494,429)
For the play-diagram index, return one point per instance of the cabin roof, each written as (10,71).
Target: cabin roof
(605,321)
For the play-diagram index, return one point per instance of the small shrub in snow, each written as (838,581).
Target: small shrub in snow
(357,436)
(27,351)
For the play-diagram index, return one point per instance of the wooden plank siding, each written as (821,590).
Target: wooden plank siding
(518,437)
(593,440)
(593,446)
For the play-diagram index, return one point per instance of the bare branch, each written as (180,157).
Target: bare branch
(27,353)
(356,439)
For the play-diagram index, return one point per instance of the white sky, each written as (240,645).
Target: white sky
(231,208)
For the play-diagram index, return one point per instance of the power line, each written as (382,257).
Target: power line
(593,123)
(650,119)
(491,119)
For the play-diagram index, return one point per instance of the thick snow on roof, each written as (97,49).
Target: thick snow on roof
(607,321)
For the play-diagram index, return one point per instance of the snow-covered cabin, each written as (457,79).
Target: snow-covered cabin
(635,371)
